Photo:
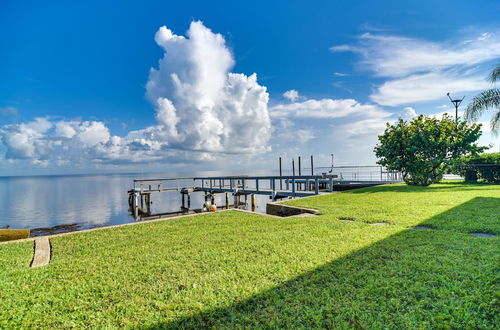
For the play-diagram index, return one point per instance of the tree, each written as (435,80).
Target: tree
(423,148)
(486,100)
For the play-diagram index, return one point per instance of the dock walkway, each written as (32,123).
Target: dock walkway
(276,187)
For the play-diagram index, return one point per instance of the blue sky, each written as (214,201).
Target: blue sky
(83,69)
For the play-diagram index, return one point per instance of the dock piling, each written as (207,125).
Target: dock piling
(281,174)
(312,165)
(148,203)
(300,169)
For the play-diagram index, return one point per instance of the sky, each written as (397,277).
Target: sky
(121,86)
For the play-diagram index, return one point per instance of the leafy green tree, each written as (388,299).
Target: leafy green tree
(423,148)
(487,100)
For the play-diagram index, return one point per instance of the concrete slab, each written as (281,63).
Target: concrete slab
(41,256)
(305,215)
(283,210)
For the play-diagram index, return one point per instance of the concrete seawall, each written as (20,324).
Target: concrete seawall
(282,210)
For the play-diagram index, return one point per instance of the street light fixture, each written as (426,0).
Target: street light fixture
(456,103)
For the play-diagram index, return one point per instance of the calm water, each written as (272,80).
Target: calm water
(89,201)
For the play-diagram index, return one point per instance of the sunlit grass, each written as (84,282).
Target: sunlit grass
(235,270)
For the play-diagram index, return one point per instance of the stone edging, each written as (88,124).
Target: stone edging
(283,210)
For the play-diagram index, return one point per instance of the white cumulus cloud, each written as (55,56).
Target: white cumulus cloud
(199,103)
(408,113)
(27,140)
(202,109)
(291,95)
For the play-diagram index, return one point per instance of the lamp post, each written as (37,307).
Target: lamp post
(456,103)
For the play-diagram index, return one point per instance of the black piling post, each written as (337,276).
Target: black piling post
(300,170)
(281,181)
(312,165)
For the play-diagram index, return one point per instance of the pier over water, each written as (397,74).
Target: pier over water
(235,188)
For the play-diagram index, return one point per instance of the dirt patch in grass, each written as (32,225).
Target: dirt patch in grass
(483,234)
(421,227)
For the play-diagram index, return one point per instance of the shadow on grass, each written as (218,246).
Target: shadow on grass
(445,187)
(433,278)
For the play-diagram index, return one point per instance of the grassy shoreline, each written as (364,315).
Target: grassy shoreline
(234,270)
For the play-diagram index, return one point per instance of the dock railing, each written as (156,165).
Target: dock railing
(275,186)
(363,173)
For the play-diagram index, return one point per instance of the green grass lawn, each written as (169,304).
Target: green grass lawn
(235,270)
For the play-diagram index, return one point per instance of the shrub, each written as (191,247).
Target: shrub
(423,148)
(484,167)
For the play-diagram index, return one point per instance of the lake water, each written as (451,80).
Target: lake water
(86,200)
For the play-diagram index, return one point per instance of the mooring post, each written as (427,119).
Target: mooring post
(273,190)
(316,186)
(235,200)
(293,187)
(227,201)
(189,201)
(300,169)
(281,174)
(254,202)
(148,203)
(246,199)
(293,167)
(312,165)
(257,184)
(136,205)
(183,206)
(330,189)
